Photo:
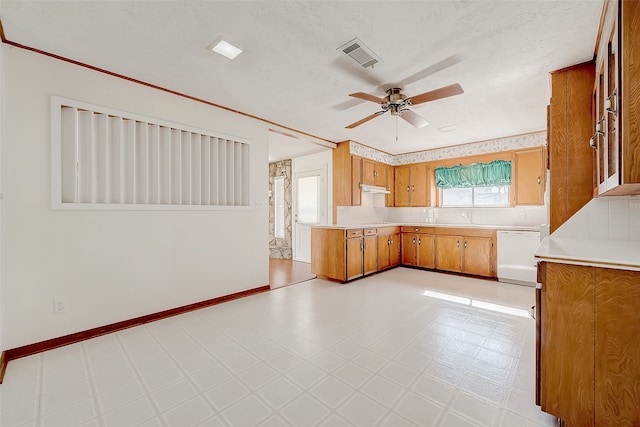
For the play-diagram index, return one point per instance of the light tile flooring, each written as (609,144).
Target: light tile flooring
(375,352)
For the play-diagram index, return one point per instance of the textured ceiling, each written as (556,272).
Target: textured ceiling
(292,73)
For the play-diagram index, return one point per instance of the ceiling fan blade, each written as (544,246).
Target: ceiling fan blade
(413,119)
(366,119)
(367,97)
(443,92)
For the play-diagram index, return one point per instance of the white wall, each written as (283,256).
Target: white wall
(112,265)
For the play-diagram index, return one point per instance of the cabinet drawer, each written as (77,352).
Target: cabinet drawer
(414,229)
(370,231)
(355,232)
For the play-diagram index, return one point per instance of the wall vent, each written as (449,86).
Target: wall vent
(360,53)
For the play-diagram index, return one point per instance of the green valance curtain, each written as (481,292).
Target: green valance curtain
(497,172)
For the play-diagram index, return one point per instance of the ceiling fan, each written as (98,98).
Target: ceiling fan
(398,103)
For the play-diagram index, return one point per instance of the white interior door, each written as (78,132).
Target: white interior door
(309,208)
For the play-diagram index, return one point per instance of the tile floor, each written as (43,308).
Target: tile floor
(375,352)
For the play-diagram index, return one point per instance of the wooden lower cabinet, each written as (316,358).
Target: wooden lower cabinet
(465,254)
(370,254)
(476,256)
(388,248)
(448,253)
(346,254)
(588,370)
(355,259)
(343,254)
(418,250)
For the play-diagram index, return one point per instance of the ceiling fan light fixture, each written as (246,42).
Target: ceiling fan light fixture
(225,48)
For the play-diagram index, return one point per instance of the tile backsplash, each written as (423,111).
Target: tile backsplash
(521,215)
(604,218)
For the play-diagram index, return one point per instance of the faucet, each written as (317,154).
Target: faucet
(467,216)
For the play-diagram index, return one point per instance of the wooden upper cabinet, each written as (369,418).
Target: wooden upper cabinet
(616,98)
(403,186)
(570,129)
(629,95)
(380,175)
(530,167)
(390,200)
(368,171)
(419,185)
(411,185)
(356,180)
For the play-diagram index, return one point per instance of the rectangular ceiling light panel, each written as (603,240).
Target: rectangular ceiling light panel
(360,53)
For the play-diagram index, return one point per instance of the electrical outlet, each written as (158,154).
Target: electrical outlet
(521,214)
(60,305)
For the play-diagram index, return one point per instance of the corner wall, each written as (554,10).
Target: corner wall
(112,265)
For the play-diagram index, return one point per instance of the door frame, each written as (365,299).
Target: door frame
(322,205)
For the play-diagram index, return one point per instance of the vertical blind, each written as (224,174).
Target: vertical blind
(110,159)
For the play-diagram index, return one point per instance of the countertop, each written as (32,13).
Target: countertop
(424,224)
(618,254)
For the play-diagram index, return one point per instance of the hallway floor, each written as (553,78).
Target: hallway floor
(400,348)
(285,272)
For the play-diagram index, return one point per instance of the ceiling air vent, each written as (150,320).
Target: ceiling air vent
(360,53)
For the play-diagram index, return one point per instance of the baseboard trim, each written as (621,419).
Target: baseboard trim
(3,365)
(39,347)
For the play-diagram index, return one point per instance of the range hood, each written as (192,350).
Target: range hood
(366,188)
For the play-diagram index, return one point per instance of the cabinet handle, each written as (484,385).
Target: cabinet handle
(416,229)
(465,244)
(419,242)
(413,188)
(414,240)
(458,244)
(610,104)
(389,242)
(361,247)
(538,180)
(408,188)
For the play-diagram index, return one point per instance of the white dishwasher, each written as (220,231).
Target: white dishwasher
(516,263)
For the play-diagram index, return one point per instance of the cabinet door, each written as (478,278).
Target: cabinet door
(612,152)
(530,176)
(368,171)
(370,254)
(448,253)
(394,249)
(383,252)
(390,199)
(426,250)
(567,343)
(354,258)
(409,249)
(356,180)
(419,185)
(476,256)
(380,175)
(617,374)
(402,186)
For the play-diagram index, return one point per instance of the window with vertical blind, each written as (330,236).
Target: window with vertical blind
(104,159)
